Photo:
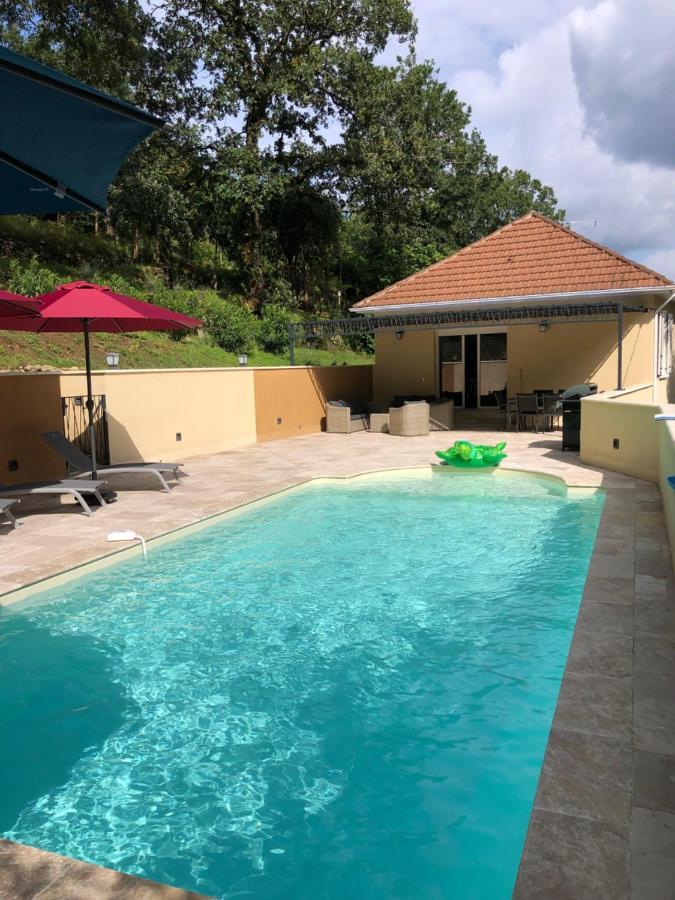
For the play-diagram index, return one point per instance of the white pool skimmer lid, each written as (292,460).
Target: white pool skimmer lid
(129,536)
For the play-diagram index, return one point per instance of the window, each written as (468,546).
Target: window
(664,344)
(493,347)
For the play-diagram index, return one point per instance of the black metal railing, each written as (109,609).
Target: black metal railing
(75,425)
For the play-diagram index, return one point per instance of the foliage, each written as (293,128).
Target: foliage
(30,279)
(299,175)
(273,332)
(231,325)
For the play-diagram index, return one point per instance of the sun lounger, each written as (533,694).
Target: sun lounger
(73,487)
(5,511)
(79,464)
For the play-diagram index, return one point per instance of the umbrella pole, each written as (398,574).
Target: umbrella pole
(90,397)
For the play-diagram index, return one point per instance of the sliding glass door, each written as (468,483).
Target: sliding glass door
(493,367)
(472,367)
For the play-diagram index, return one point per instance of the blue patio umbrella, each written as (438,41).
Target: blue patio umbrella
(61,142)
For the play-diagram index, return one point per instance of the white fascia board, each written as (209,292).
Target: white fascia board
(539,299)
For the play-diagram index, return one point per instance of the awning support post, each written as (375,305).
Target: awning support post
(619,326)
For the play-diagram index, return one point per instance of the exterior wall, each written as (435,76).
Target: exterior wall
(212,409)
(667,467)
(646,448)
(604,420)
(30,405)
(292,401)
(569,354)
(566,354)
(406,366)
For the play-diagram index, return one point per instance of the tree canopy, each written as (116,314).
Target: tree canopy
(301,172)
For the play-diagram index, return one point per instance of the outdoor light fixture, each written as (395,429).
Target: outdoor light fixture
(113,359)
(543,326)
(243,359)
(399,334)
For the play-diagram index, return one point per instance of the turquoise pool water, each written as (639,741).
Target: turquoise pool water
(343,693)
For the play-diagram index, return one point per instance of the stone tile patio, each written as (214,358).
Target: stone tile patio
(603,822)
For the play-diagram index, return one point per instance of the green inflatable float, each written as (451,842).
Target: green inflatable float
(464,454)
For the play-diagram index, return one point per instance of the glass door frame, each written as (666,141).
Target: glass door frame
(462,332)
(439,367)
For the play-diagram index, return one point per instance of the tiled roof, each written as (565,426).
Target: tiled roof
(532,255)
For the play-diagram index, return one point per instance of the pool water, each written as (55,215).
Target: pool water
(343,693)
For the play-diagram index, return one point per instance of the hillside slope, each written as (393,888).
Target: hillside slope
(36,255)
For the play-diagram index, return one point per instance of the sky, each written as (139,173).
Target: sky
(581,95)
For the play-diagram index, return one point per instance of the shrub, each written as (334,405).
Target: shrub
(274,324)
(30,278)
(231,324)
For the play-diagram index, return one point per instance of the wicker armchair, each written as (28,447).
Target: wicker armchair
(341,418)
(409,420)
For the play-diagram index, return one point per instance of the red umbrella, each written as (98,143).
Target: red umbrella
(14,305)
(80,306)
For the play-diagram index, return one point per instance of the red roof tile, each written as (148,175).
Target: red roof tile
(531,255)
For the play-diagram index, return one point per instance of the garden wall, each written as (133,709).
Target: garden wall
(170,414)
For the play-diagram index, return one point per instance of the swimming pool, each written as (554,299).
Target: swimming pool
(345,691)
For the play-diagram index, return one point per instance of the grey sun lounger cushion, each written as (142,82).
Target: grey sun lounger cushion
(5,511)
(76,488)
(80,464)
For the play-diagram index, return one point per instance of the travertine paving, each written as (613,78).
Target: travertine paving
(603,822)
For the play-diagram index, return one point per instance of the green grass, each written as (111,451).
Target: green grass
(148,350)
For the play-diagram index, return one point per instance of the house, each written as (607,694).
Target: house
(531,306)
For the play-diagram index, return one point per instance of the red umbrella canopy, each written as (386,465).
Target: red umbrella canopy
(14,305)
(71,306)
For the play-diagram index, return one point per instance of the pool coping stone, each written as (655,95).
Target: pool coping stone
(603,819)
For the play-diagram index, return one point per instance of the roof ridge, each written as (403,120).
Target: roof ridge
(445,259)
(608,250)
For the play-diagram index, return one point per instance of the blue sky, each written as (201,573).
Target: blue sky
(582,95)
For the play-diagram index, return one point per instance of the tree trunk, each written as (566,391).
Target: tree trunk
(253,238)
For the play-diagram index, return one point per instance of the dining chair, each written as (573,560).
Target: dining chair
(527,406)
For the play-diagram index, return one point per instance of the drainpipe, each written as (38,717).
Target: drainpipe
(656,349)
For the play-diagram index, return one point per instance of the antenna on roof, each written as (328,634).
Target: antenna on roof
(594,222)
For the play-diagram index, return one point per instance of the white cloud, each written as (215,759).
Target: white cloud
(625,70)
(662,261)
(545,95)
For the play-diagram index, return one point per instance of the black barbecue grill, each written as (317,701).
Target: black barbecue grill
(571,405)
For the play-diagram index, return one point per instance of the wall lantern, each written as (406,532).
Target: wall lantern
(543,326)
(399,334)
(112,359)
(243,359)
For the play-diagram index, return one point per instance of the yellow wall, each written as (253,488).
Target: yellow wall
(569,354)
(406,366)
(564,355)
(29,405)
(292,401)
(667,467)
(212,409)
(604,419)
(646,447)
